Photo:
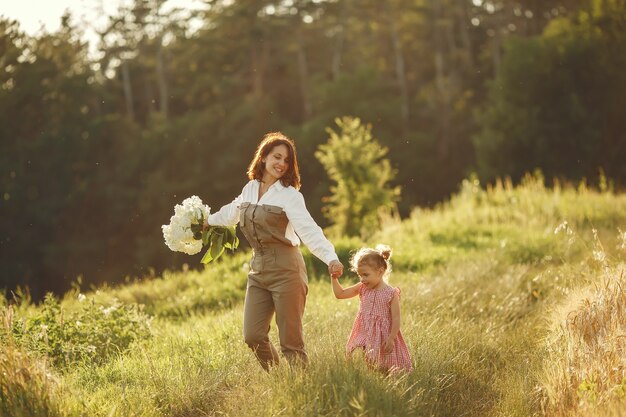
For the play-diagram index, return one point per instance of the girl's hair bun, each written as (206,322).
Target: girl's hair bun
(377,258)
(385,251)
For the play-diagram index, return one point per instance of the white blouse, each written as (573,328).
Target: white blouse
(301,225)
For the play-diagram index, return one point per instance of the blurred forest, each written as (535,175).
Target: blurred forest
(96,150)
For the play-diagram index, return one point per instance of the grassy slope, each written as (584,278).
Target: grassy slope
(484,280)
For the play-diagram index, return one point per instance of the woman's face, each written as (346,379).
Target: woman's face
(276,163)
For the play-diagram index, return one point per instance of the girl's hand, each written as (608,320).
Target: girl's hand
(389,345)
(205,226)
(335,269)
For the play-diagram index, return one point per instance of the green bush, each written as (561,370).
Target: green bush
(92,333)
(178,294)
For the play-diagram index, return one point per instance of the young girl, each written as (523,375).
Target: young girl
(376,328)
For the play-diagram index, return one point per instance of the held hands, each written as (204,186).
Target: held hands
(335,269)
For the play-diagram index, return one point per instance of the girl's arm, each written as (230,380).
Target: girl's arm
(341,292)
(395,323)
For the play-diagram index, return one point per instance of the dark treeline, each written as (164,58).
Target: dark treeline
(95,152)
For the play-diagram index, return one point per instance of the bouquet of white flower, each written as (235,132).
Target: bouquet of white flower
(186,232)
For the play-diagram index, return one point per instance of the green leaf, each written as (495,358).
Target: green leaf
(207,257)
(197,231)
(232,241)
(218,238)
(216,245)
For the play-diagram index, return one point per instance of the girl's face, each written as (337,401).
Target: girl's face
(370,276)
(276,163)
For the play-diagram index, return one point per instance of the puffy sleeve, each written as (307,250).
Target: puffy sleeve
(228,215)
(308,231)
(394,291)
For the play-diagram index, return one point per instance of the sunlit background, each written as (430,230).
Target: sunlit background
(483,140)
(37,15)
(89,16)
(112,112)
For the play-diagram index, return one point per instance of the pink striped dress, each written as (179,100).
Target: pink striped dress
(371,328)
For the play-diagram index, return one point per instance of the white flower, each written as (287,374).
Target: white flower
(178,234)
(621,238)
(81,297)
(599,255)
(562,226)
(109,310)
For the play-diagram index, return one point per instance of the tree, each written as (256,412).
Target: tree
(133,46)
(46,101)
(93,155)
(554,106)
(355,161)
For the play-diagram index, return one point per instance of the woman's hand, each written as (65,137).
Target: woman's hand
(389,345)
(205,226)
(335,269)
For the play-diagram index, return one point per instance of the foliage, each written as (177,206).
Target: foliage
(356,163)
(176,295)
(46,149)
(91,334)
(553,104)
(96,147)
(218,239)
(518,220)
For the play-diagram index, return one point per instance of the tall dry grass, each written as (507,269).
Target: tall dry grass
(26,382)
(479,275)
(585,371)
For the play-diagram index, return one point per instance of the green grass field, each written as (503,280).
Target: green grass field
(513,304)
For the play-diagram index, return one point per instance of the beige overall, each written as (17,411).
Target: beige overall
(277,282)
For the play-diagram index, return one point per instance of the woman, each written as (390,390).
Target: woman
(273,218)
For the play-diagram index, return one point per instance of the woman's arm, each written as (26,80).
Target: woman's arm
(227,215)
(308,231)
(341,292)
